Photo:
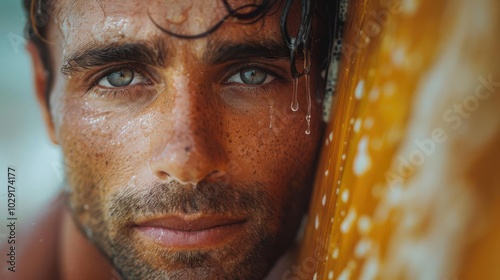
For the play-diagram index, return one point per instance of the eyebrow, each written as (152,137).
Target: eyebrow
(220,52)
(151,52)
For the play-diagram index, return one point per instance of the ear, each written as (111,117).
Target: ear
(40,81)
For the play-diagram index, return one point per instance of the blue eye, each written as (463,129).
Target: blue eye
(121,78)
(252,76)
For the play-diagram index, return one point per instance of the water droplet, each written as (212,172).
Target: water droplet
(346,224)
(364,224)
(358,93)
(307,67)
(145,127)
(362,160)
(308,115)
(357,125)
(295,103)
(362,248)
(308,121)
(345,195)
(335,253)
(271,112)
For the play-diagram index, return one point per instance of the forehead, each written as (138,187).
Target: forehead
(81,23)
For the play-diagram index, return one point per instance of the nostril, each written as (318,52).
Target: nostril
(162,175)
(215,174)
(188,162)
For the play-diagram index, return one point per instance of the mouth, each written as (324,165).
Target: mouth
(191,232)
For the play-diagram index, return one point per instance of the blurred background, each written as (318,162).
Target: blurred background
(24,143)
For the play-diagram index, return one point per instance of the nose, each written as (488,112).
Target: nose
(189,158)
(186,147)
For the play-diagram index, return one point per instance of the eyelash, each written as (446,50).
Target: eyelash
(101,92)
(237,69)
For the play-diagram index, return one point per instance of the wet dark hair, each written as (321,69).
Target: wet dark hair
(39,13)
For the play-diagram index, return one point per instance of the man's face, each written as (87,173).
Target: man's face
(184,158)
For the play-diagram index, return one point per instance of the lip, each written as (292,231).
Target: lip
(191,232)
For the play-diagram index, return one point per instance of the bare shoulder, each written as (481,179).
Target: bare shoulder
(33,252)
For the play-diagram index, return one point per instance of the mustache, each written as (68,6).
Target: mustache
(236,200)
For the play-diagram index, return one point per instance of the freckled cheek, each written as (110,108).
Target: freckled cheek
(102,149)
(271,148)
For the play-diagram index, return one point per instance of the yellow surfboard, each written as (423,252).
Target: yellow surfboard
(408,184)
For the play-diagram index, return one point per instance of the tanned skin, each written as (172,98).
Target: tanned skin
(183,158)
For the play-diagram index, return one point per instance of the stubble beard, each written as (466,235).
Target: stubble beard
(252,258)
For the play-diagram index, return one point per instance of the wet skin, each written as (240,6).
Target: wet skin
(184,160)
